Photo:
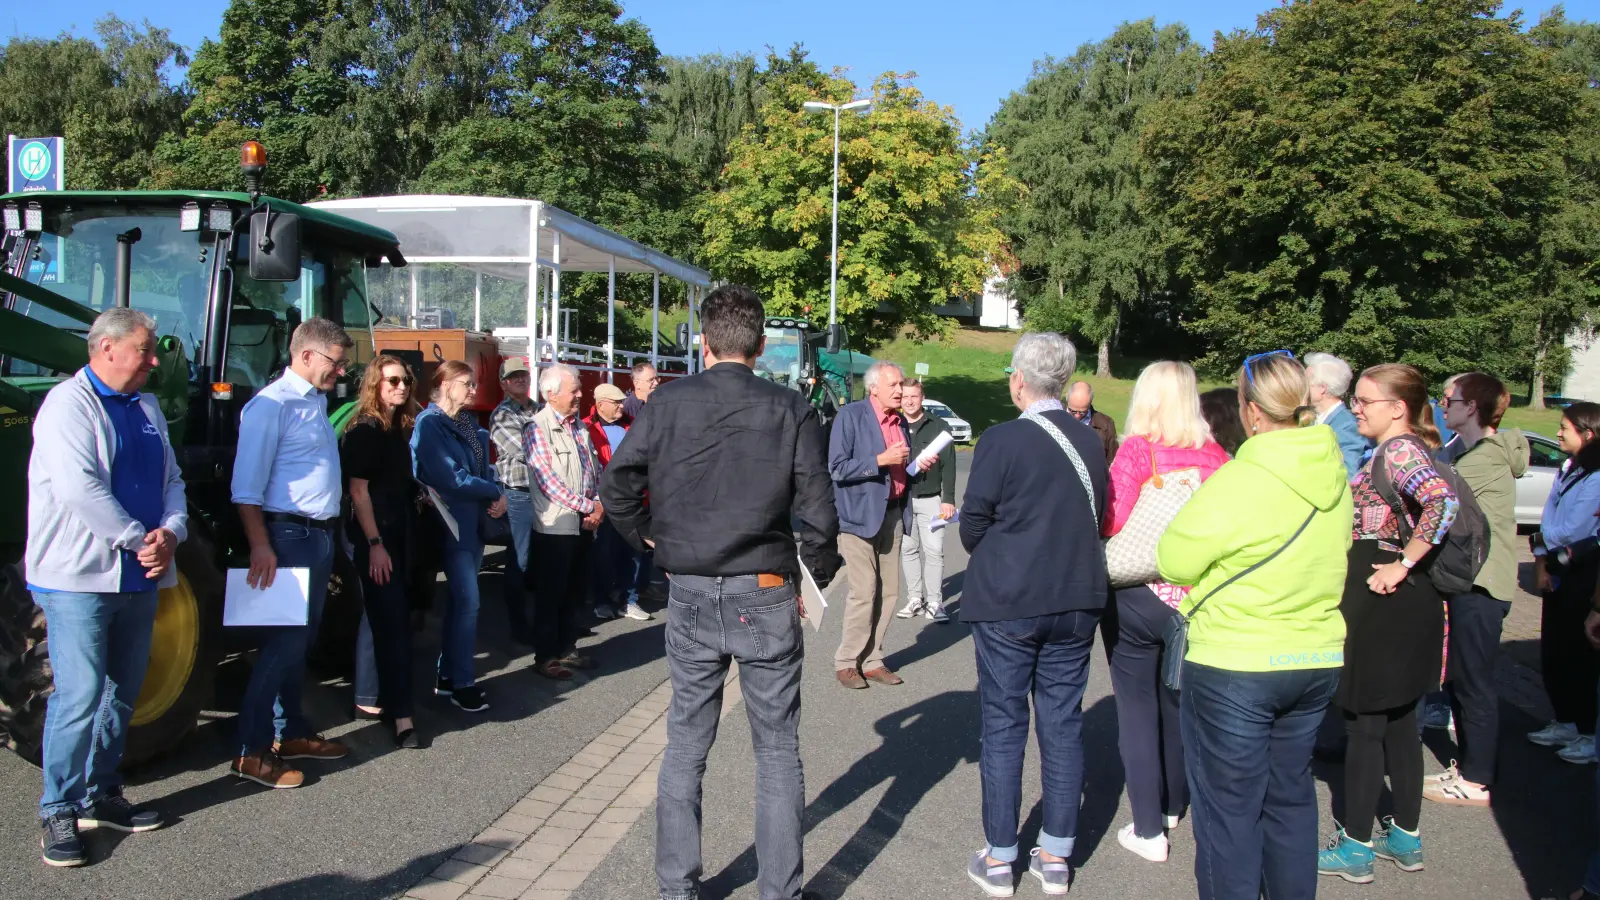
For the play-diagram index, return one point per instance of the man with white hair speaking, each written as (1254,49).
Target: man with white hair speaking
(868,452)
(1330,381)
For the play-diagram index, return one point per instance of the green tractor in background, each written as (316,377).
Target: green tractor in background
(227,278)
(817,363)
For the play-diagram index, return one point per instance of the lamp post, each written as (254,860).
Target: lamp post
(833,277)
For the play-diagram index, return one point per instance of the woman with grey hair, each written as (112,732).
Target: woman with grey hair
(1035,589)
(1330,377)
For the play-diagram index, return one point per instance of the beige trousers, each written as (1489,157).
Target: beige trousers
(873,568)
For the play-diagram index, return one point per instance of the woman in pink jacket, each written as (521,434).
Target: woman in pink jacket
(1164,432)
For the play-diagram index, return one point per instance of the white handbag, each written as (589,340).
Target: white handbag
(1131,552)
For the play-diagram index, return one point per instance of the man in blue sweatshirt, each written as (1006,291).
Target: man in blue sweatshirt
(106,512)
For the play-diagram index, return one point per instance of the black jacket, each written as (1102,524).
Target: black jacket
(729,461)
(1034,546)
(939,479)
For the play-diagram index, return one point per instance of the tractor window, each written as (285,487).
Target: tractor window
(780,361)
(76,258)
(348,276)
(262,316)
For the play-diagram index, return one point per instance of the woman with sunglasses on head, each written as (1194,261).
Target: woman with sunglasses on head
(1262,545)
(450,451)
(1565,565)
(375,456)
(1394,618)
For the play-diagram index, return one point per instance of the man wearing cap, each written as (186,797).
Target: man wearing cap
(613,564)
(506,426)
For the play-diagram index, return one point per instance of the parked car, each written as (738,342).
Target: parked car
(960,429)
(1545,457)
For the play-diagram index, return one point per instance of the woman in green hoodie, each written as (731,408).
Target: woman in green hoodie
(1264,653)
(1492,462)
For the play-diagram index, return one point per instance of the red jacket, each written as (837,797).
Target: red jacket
(597,434)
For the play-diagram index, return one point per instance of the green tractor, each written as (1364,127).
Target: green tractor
(818,363)
(227,278)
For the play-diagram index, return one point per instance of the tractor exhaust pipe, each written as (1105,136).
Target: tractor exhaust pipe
(124,286)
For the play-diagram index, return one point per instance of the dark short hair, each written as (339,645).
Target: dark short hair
(733,322)
(1488,392)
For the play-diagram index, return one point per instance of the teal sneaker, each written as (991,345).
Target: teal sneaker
(1347,858)
(1402,847)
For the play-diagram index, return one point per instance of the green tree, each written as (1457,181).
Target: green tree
(914,229)
(1370,178)
(1087,250)
(700,106)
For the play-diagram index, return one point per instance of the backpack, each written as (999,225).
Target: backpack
(1458,560)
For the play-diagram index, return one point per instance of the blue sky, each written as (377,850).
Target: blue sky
(969,55)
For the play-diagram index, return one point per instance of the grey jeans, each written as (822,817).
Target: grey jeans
(710,622)
(922,553)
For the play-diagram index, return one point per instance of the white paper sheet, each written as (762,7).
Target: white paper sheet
(940,441)
(816,605)
(937,524)
(444,512)
(284,603)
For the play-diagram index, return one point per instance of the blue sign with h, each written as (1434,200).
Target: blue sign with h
(35,164)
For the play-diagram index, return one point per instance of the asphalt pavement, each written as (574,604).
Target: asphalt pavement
(891,774)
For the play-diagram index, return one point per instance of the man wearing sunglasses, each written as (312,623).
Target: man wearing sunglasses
(507,424)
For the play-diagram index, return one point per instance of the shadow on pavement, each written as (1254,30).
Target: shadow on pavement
(939,733)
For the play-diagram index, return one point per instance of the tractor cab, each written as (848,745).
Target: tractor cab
(817,363)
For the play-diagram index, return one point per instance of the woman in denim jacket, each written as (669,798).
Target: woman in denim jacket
(449,451)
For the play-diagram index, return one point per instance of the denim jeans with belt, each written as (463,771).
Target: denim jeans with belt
(1247,739)
(99,647)
(270,708)
(710,622)
(1047,657)
(458,639)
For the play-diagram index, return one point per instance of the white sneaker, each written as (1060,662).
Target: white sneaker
(1580,751)
(1153,848)
(1448,775)
(912,607)
(635,612)
(1172,822)
(935,613)
(1556,734)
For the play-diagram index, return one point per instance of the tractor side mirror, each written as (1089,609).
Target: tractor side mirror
(274,246)
(837,338)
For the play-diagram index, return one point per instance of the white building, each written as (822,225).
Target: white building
(993,309)
(1583,379)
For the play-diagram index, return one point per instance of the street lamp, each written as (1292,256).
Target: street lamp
(833,278)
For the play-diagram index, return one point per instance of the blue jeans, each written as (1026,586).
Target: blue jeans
(519,512)
(270,708)
(458,641)
(1047,657)
(710,622)
(99,647)
(613,567)
(366,680)
(1247,740)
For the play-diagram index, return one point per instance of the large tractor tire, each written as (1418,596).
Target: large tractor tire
(185,649)
(25,677)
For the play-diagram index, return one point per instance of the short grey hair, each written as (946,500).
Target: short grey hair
(1333,373)
(1045,360)
(117,323)
(316,333)
(550,377)
(876,370)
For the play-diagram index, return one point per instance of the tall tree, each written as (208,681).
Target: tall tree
(913,229)
(1087,250)
(699,108)
(1369,177)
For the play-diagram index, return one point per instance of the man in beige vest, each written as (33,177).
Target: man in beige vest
(564,476)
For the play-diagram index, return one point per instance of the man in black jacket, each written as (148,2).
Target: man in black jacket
(933,499)
(729,460)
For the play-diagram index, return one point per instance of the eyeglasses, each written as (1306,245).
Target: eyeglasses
(1363,403)
(1250,376)
(339,365)
(1010,371)
(469,384)
(397,380)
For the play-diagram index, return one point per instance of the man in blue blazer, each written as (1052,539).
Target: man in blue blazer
(1330,379)
(868,455)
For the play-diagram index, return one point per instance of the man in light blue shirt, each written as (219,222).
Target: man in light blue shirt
(286,487)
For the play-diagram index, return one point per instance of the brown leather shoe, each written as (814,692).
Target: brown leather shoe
(268,769)
(313,747)
(851,679)
(882,675)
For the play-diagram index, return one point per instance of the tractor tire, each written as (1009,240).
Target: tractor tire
(184,653)
(25,677)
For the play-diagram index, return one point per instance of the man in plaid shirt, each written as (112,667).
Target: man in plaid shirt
(566,512)
(506,426)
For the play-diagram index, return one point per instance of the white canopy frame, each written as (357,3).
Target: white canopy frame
(507,238)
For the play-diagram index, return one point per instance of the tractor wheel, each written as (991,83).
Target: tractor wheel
(185,649)
(25,677)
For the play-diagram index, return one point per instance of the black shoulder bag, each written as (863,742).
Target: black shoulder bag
(1176,633)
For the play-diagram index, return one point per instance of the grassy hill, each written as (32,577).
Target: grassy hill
(969,375)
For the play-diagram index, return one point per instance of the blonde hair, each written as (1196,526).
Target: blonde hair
(1406,384)
(1278,386)
(1165,407)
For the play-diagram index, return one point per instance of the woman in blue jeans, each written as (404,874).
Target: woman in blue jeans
(450,453)
(1263,545)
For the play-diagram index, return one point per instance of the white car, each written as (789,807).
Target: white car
(960,429)
(1545,457)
